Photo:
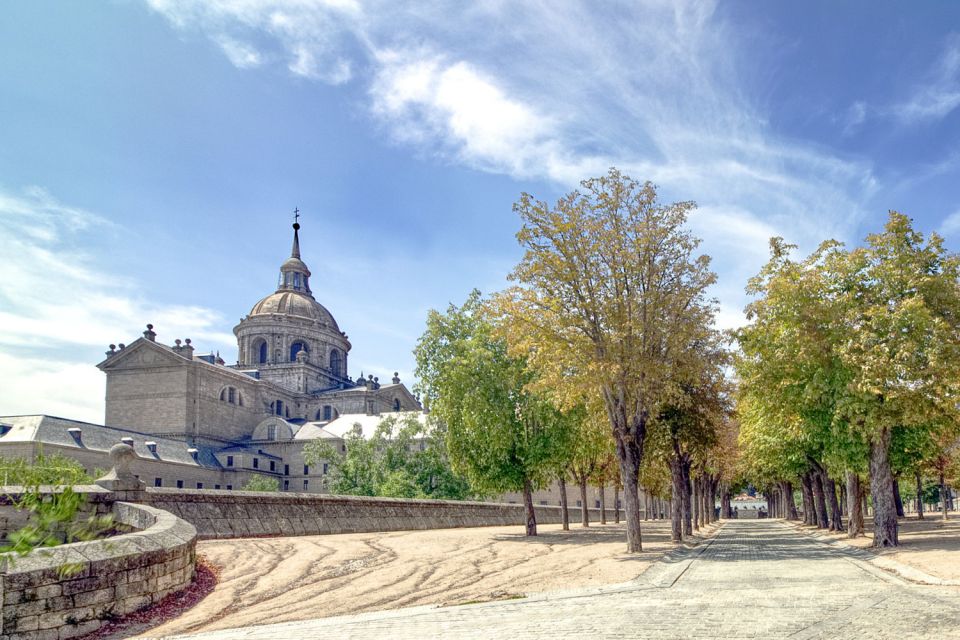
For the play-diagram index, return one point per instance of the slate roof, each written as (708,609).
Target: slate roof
(94,437)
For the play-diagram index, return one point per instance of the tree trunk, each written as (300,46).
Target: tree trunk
(806,490)
(676,509)
(843,497)
(564,507)
(603,503)
(725,502)
(854,505)
(528,507)
(685,498)
(943,496)
(820,501)
(697,488)
(629,454)
(919,496)
(836,515)
(616,503)
(897,500)
(584,514)
(881,491)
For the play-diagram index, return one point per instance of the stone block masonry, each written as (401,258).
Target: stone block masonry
(240,514)
(72,590)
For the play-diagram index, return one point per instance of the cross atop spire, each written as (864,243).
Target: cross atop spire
(295,252)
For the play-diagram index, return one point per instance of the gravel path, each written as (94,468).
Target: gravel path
(759,579)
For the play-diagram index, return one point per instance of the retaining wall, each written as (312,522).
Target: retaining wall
(73,589)
(236,514)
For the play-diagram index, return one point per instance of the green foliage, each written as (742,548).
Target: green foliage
(846,345)
(403,458)
(501,434)
(54,507)
(262,483)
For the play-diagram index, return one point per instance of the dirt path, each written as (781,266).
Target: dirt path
(931,544)
(270,580)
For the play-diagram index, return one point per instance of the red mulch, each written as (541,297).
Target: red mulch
(204,580)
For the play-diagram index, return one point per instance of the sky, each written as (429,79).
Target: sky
(152,153)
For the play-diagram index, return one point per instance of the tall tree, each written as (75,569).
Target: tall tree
(902,309)
(609,289)
(501,434)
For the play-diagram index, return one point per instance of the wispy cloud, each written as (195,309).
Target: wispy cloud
(530,91)
(939,94)
(59,306)
(951,225)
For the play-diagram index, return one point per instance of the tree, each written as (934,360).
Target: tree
(608,290)
(262,483)
(402,458)
(501,435)
(902,309)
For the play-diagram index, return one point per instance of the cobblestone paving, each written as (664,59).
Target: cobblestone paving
(758,579)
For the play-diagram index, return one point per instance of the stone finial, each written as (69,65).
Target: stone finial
(301,356)
(120,478)
(122,346)
(396,377)
(187,341)
(150,334)
(177,342)
(113,350)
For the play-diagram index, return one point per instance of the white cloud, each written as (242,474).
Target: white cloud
(527,90)
(939,95)
(59,309)
(950,225)
(240,54)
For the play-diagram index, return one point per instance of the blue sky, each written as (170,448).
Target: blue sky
(151,153)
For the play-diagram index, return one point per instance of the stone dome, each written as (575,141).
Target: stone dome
(292,303)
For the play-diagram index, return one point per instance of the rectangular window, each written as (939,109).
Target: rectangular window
(597,505)
(273,465)
(306,485)
(325,468)
(286,485)
(279,407)
(286,469)
(229,461)
(579,504)
(256,463)
(199,485)
(216,486)
(306,470)
(343,448)
(543,502)
(327,412)
(179,484)
(232,395)
(229,487)
(158,482)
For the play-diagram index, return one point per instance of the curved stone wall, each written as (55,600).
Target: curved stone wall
(73,589)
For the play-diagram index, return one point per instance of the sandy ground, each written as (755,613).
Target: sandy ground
(268,580)
(931,544)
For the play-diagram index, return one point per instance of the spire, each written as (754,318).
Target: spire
(294,274)
(295,252)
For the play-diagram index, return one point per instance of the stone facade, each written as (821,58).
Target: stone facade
(221,424)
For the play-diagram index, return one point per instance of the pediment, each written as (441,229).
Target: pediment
(142,354)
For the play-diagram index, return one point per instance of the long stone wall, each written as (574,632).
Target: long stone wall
(237,514)
(73,589)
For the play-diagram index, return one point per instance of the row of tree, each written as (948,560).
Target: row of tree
(602,361)
(848,375)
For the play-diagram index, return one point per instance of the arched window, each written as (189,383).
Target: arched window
(223,394)
(335,362)
(296,348)
(263,352)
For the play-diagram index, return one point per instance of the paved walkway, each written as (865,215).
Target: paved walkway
(758,579)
